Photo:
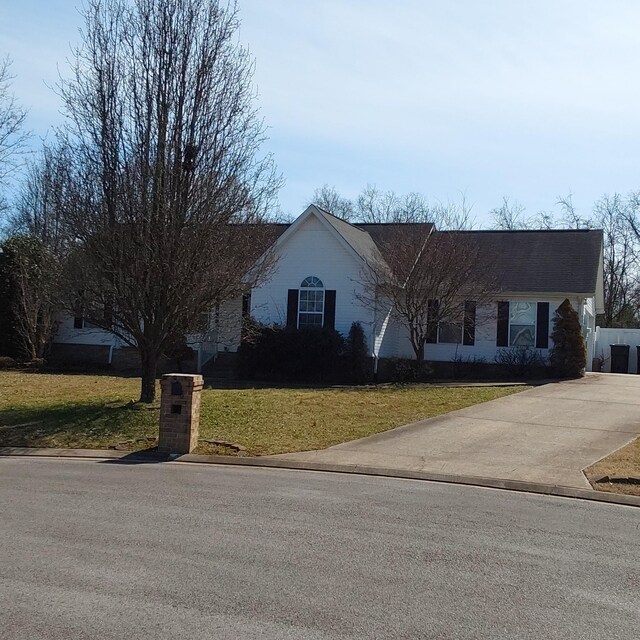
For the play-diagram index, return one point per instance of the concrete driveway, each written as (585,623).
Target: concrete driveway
(545,434)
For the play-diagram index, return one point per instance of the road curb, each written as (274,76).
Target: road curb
(125,457)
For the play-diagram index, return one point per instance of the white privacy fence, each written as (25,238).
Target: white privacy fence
(606,337)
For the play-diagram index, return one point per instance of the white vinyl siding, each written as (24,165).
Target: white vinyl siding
(314,249)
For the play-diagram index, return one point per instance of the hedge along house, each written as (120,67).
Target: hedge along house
(318,282)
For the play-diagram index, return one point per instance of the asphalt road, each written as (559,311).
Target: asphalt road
(100,550)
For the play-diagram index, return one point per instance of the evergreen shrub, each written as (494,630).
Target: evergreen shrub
(356,355)
(569,353)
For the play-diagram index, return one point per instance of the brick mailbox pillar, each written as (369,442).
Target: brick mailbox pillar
(179,412)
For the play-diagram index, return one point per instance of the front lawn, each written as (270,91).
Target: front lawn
(624,462)
(84,411)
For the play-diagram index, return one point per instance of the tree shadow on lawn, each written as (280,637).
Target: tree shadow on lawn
(86,425)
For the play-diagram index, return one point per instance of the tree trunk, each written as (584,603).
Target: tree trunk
(42,344)
(419,351)
(30,349)
(149,363)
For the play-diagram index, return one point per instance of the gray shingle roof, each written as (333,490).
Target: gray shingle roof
(557,261)
(359,240)
(382,233)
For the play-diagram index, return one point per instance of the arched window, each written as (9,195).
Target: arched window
(311,303)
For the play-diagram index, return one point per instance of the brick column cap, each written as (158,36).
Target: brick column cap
(187,380)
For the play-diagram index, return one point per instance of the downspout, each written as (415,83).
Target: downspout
(373,343)
(587,332)
(383,330)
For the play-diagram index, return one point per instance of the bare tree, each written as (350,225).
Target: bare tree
(454,216)
(543,220)
(33,253)
(570,218)
(328,198)
(617,216)
(509,216)
(372,205)
(33,277)
(171,189)
(45,192)
(375,206)
(13,136)
(428,279)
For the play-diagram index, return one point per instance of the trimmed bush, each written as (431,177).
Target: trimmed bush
(469,368)
(407,370)
(7,363)
(522,362)
(291,355)
(568,354)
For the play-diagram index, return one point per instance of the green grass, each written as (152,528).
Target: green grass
(84,411)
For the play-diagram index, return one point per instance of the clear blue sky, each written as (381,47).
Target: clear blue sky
(488,98)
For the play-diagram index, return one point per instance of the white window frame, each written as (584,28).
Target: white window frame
(317,286)
(535,324)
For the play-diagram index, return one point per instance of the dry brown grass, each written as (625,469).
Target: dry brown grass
(623,462)
(83,411)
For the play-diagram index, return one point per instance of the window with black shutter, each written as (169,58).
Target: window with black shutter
(292,308)
(329,309)
(502,334)
(542,326)
(469,332)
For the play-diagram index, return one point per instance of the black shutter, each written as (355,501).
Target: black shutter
(292,308)
(542,326)
(502,337)
(469,332)
(432,321)
(329,309)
